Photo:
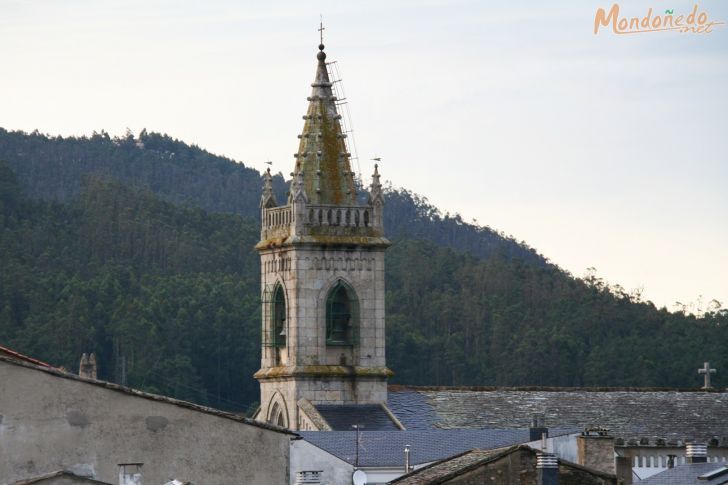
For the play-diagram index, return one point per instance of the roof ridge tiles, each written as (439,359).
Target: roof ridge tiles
(403,387)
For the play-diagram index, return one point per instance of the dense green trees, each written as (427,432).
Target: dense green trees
(54,168)
(453,319)
(168,294)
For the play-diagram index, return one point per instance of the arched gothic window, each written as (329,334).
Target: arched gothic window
(277,416)
(279,327)
(341,315)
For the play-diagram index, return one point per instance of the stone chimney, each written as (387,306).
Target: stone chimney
(624,470)
(696,453)
(537,429)
(130,473)
(595,449)
(87,368)
(547,466)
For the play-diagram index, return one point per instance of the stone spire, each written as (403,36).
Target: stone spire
(375,189)
(298,189)
(267,199)
(376,198)
(322,159)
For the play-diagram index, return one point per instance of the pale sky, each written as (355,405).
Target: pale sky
(605,151)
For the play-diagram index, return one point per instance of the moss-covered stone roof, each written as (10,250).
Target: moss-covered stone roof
(322,154)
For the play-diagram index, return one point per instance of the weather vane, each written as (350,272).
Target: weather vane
(321,28)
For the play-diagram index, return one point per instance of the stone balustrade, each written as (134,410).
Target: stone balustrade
(276,222)
(281,222)
(277,217)
(352,216)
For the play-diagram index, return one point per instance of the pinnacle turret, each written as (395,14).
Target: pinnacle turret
(267,199)
(375,189)
(298,192)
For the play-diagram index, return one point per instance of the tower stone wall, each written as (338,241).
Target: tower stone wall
(322,278)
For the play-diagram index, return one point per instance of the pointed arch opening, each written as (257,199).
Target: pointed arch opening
(342,315)
(279,327)
(277,413)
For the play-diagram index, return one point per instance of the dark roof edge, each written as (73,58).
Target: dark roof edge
(22,357)
(57,473)
(153,397)
(400,387)
(308,409)
(394,418)
(497,454)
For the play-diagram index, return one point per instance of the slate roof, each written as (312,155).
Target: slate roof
(672,414)
(457,465)
(687,475)
(386,448)
(370,417)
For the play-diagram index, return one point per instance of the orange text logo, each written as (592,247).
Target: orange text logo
(695,22)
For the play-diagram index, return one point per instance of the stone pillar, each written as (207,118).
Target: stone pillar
(87,367)
(595,449)
(624,470)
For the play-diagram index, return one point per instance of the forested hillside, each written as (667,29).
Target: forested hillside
(170,292)
(456,320)
(53,168)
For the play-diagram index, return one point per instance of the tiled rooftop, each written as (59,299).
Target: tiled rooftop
(687,475)
(342,417)
(627,413)
(454,466)
(386,448)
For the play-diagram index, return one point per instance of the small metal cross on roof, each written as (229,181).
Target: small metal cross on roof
(707,371)
(321,28)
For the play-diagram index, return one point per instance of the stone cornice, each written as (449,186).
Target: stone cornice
(323,371)
(318,241)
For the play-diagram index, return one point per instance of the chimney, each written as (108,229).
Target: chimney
(407,467)
(624,470)
(130,473)
(547,466)
(537,429)
(595,449)
(696,453)
(87,367)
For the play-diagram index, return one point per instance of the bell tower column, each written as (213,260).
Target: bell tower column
(322,278)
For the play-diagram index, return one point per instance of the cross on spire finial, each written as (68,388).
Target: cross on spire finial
(707,371)
(321,28)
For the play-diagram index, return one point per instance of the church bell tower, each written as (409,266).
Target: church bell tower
(322,279)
